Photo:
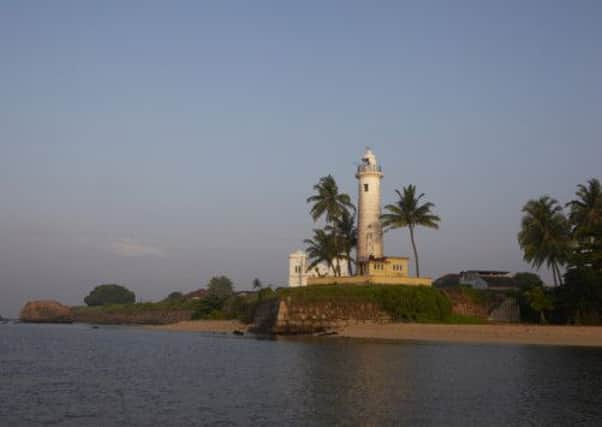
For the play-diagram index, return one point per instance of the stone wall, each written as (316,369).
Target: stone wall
(286,316)
(155,317)
(496,307)
(508,312)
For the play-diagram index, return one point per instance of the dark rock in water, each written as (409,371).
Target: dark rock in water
(326,333)
(237,332)
(46,312)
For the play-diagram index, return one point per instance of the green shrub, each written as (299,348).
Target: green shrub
(208,308)
(110,294)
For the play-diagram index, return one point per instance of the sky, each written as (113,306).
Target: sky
(156,144)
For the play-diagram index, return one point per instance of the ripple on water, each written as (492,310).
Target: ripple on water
(75,375)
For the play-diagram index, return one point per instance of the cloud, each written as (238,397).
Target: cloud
(129,247)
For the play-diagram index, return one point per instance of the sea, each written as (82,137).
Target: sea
(79,375)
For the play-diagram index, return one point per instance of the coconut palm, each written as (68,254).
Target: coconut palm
(586,210)
(408,212)
(544,235)
(322,248)
(346,232)
(331,204)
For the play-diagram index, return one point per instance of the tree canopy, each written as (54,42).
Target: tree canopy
(544,235)
(408,212)
(110,294)
(337,209)
(220,287)
(526,280)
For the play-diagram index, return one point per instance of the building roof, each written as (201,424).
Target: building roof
(199,293)
(385,258)
(500,282)
(494,279)
(487,272)
(447,281)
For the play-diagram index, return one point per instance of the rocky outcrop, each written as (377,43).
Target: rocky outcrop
(46,312)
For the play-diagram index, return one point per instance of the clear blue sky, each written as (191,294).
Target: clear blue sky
(156,144)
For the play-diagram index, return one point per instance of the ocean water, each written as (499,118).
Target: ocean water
(75,375)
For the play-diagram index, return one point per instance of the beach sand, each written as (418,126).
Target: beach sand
(491,333)
(494,333)
(219,326)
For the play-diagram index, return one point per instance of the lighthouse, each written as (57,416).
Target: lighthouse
(373,267)
(370,236)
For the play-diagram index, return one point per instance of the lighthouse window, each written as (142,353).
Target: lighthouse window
(366,187)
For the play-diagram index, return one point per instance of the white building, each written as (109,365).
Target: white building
(297,269)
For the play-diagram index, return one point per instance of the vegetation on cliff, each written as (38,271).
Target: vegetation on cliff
(402,303)
(219,303)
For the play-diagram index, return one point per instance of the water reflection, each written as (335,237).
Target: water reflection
(115,376)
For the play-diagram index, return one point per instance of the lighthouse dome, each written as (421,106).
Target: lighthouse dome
(369,157)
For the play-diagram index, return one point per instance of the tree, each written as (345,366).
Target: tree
(257,284)
(582,293)
(175,297)
(544,235)
(526,281)
(331,204)
(346,232)
(586,211)
(539,301)
(110,294)
(322,248)
(408,212)
(219,287)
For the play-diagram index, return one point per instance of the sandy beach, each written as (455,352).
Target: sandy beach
(217,326)
(504,334)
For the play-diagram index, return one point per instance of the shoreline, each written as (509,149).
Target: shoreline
(215,326)
(585,336)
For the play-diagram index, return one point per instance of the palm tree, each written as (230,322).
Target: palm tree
(544,235)
(331,204)
(322,248)
(257,284)
(408,212)
(346,231)
(586,210)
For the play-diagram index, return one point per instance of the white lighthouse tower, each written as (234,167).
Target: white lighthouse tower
(370,236)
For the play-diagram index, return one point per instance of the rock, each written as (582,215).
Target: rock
(325,333)
(238,332)
(46,312)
